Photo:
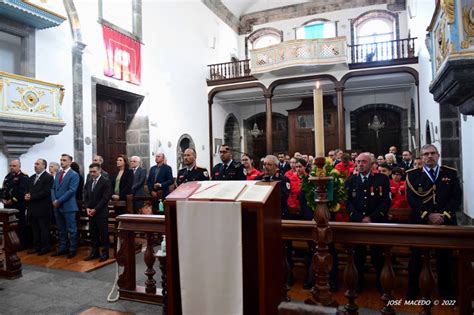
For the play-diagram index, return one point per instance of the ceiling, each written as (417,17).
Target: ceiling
(293,91)
(241,7)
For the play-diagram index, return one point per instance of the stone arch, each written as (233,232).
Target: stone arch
(259,33)
(232,135)
(184,142)
(373,14)
(395,119)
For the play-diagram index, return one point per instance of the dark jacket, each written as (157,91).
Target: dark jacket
(98,198)
(371,199)
(284,189)
(424,198)
(235,171)
(40,203)
(164,176)
(125,185)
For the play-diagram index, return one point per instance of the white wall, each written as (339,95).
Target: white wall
(342,16)
(177,40)
(467,130)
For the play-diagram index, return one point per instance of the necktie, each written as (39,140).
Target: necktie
(432,173)
(36,179)
(61,177)
(364,179)
(134,171)
(93,184)
(225,168)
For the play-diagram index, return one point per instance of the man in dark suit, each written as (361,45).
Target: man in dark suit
(38,197)
(368,201)
(228,169)
(139,176)
(63,195)
(97,193)
(283,165)
(160,177)
(191,172)
(434,194)
(407,160)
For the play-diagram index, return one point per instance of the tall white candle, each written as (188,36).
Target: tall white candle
(318,120)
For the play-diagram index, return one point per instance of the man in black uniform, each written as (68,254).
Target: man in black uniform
(15,186)
(191,172)
(434,194)
(368,201)
(228,169)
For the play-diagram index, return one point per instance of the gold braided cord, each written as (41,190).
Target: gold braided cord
(421,195)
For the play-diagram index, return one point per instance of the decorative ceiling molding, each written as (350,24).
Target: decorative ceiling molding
(247,21)
(223,13)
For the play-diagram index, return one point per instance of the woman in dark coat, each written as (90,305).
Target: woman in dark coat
(122,182)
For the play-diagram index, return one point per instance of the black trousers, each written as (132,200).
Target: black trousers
(98,227)
(40,226)
(376,257)
(444,269)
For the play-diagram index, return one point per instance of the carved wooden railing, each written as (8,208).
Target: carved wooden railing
(425,237)
(229,70)
(399,49)
(10,264)
(128,226)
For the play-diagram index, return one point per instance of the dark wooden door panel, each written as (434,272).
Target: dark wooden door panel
(111,130)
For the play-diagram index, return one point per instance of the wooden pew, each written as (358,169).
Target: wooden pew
(10,264)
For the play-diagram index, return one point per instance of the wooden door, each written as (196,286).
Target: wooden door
(390,134)
(111,129)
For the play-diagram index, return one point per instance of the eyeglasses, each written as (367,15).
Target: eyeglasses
(430,153)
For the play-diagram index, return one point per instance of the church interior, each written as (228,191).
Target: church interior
(308,96)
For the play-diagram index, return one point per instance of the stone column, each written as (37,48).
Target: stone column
(269,128)
(77,92)
(341,128)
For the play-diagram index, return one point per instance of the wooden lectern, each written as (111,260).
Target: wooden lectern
(262,255)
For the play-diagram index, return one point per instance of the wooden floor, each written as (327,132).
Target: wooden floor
(102,311)
(74,264)
(369,298)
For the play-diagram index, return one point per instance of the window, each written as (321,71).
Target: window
(265,41)
(10,53)
(318,28)
(375,31)
(263,37)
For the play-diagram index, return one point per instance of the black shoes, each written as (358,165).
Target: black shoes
(32,251)
(104,257)
(59,253)
(71,255)
(92,256)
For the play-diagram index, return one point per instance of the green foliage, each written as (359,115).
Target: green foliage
(339,193)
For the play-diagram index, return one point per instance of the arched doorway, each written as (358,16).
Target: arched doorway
(376,127)
(184,142)
(232,135)
(256,146)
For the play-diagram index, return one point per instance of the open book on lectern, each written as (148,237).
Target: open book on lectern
(222,190)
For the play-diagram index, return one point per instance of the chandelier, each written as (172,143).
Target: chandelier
(255,132)
(376,125)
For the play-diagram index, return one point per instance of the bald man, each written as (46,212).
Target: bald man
(191,172)
(368,201)
(15,186)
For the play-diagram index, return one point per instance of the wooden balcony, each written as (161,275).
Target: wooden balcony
(394,52)
(229,72)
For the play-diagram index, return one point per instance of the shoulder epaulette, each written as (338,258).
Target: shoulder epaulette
(449,168)
(200,168)
(237,164)
(411,170)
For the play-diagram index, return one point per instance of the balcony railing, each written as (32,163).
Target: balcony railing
(313,52)
(383,52)
(234,70)
(323,51)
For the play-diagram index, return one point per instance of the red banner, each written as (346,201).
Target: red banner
(123,56)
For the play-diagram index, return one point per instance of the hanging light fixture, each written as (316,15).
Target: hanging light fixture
(376,124)
(255,132)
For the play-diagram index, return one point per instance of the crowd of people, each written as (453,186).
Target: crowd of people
(374,184)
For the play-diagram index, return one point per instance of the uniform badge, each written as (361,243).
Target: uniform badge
(420,190)
(207,174)
(354,193)
(245,171)
(216,174)
(380,191)
(371,190)
(288,185)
